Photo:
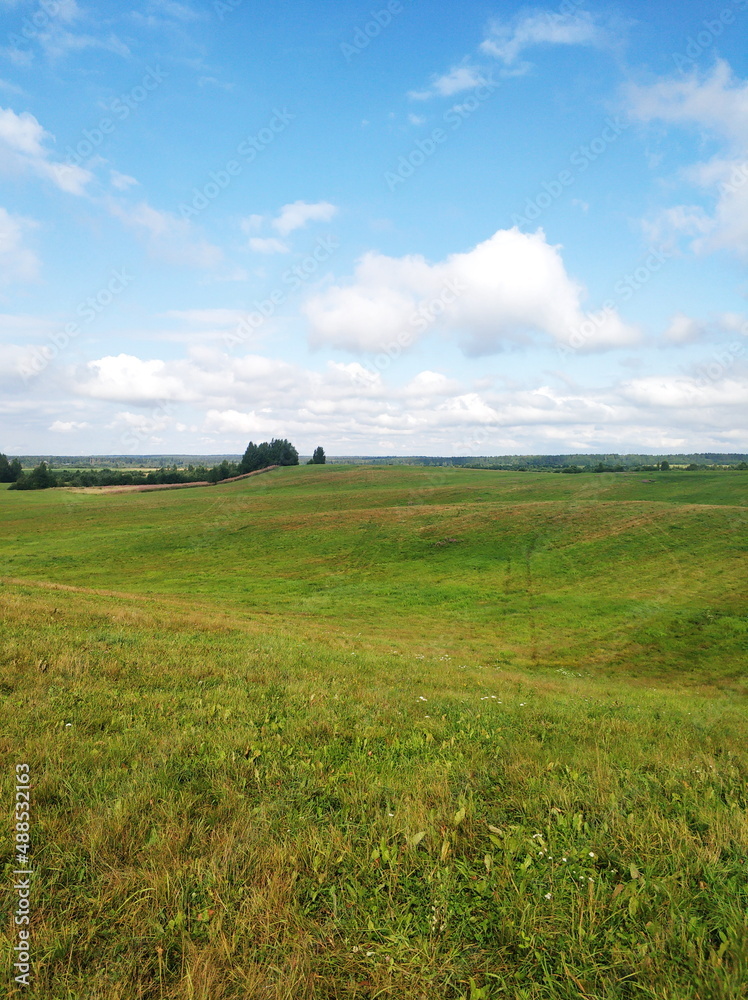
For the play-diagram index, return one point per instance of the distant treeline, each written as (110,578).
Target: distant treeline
(129,462)
(257,456)
(563,463)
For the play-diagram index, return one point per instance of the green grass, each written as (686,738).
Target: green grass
(395,732)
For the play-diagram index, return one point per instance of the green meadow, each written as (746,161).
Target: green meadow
(366,732)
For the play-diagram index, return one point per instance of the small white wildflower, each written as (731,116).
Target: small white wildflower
(564,859)
(522,704)
(547,895)
(592,854)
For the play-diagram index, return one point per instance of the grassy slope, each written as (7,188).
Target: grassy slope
(236,807)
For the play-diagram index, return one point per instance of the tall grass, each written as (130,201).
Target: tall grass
(374,784)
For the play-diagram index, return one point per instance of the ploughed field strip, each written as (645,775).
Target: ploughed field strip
(393,732)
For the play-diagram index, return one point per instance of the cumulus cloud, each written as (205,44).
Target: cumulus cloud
(23,149)
(682,393)
(235,422)
(507,41)
(17,261)
(359,408)
(126,378)
(68,426)
(505,290)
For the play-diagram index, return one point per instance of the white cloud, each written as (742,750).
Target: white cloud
(715,103)
(505,290)
(125,378)
(17,262)
(121,181)
(13,358)
(299,213)
(459,78)
(291,217)
(428,383)
(507,41)
(351,409)
(684,330)
(267,245)
(718,101)
(22,148)
(67,426)
(686,392)
(234,422)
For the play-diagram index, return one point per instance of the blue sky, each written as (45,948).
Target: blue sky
(400,228)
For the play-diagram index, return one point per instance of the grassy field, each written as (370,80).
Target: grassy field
(341,732)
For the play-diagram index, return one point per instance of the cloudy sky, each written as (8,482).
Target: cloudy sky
(403,228)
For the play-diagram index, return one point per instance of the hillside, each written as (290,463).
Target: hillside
(363,732)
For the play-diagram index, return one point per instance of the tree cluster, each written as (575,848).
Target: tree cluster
(257,456)
(275,452)
(9,470)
